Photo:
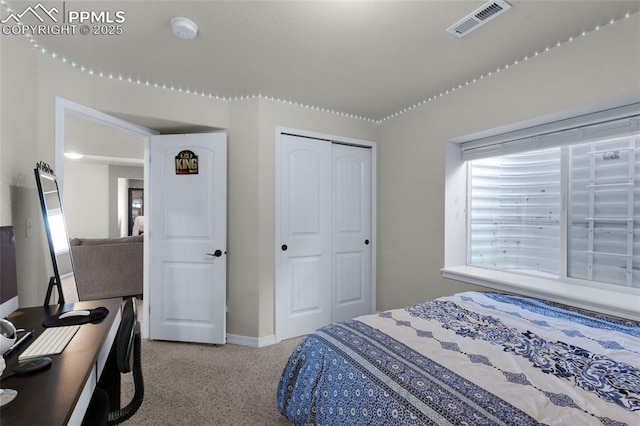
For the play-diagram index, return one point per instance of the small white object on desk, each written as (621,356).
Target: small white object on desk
(6,395)
(82,313)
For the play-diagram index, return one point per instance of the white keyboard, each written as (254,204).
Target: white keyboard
(52,341)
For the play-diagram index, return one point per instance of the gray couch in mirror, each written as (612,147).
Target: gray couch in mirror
(108,267)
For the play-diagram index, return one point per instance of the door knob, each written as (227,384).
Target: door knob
(216,253)
(366,242)
(284,247)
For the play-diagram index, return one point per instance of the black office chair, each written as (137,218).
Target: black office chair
(129,359)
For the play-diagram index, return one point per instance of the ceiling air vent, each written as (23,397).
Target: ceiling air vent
(479,17)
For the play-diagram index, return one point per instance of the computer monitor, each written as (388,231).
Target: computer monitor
(8,274)
(55,226)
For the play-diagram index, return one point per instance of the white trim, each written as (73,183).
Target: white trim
(63,106)
(610,299)
(374,202)
(80,409)
(112,160)
(622,301)
(323,136)
(577,117)
(87,391)
(565,199)
(146,248)
(252,342)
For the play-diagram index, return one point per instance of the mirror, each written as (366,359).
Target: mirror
(64,272)
(109,154)
(136,211)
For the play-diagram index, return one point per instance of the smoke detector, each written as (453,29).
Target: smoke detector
(184,28)
(479,17)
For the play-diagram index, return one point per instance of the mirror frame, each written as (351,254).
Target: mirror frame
(44,171)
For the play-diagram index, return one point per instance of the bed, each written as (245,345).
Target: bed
(469,359)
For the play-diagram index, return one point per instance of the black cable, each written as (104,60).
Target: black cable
(118,416)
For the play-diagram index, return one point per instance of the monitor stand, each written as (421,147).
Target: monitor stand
(53,282)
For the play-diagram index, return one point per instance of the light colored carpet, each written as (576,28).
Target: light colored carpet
(196,384)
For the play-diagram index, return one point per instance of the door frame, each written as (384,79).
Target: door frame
(62,106)
(324,138)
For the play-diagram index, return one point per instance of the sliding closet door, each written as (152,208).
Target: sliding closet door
(351,232)
(324,235)
(303,276)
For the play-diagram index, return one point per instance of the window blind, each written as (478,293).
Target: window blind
(604,211)
(515,212)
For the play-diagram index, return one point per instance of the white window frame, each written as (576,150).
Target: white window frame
(610,299)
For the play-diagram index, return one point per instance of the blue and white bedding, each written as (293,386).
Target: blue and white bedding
(468,359)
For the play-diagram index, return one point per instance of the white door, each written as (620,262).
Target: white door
(351,232)
(324,252)
(303,289)
(186,215)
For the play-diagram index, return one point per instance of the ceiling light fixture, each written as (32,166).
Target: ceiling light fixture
(184,28)
(73,155)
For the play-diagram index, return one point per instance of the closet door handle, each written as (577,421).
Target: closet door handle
(366,242)
(216,253)
(284,247)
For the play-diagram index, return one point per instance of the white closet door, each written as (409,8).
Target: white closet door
(351,232)
(303,278)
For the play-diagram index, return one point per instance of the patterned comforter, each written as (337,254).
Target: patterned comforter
(468,359)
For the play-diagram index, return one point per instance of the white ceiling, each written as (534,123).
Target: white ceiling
(366,58)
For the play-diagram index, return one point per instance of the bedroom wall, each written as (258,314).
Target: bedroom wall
(251,197)
(600,66)
(91,197)
(242,220)
(30,83)
(604,64)
(18,156)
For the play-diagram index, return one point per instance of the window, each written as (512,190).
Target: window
(604,212)
(515,212)
(550,208)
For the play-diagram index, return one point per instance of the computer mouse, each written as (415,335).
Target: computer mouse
(74,314)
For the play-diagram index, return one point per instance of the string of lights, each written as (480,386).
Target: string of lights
(203,93)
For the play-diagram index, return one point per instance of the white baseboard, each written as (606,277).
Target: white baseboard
(254,342)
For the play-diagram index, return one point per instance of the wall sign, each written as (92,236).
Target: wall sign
(186,163)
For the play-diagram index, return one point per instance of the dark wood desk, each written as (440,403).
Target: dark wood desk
(60,394)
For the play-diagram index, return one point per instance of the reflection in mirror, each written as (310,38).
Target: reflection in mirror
(64,273)
(110,153)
